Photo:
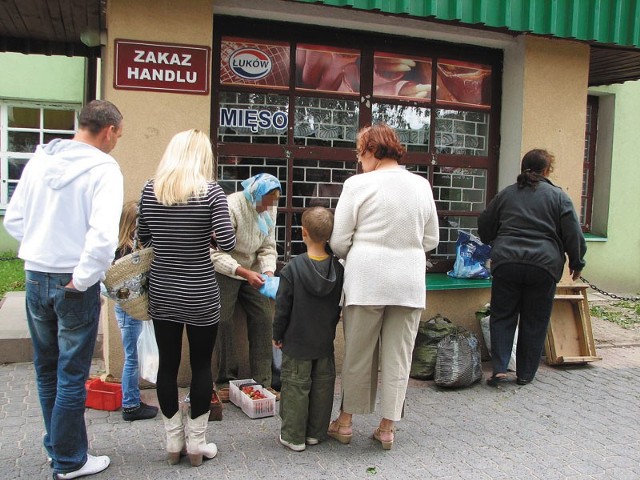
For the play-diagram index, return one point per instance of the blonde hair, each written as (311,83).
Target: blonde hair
(318,221)
(186,168)
(127,225)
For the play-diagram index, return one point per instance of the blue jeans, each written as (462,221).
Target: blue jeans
(130,329)
(63,325)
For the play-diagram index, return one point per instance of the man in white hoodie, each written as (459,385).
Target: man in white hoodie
(65,213)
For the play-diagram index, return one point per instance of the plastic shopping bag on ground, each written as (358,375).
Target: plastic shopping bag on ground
(486,334)
(471,257)
(458,363)
(148,357)
(425,350)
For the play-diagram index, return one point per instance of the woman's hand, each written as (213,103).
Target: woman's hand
(575,274)
(277,344)
(254,278)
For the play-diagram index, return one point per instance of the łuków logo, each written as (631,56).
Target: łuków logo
(250,63)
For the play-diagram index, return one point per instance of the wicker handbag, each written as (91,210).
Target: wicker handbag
(127,280)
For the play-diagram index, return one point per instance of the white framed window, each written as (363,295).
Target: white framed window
(24,126)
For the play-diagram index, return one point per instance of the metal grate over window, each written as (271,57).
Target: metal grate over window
(287,102)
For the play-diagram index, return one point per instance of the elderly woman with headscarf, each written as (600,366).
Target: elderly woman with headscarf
(240,276)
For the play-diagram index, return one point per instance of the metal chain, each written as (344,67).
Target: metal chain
(612,295)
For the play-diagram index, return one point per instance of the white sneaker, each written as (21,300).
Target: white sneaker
(293,446)
(91,467)
(311,441)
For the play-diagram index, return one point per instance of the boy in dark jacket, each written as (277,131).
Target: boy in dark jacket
(304,327)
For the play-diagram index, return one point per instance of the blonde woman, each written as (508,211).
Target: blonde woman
(182,210)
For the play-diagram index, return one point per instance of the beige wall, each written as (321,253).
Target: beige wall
(152,118)
(555,102)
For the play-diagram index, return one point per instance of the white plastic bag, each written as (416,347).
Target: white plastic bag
(486,333)
(148,357)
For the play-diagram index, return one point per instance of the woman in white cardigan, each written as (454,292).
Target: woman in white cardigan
(385,222)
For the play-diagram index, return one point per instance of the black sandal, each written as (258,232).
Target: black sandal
(522,381)
(496,381)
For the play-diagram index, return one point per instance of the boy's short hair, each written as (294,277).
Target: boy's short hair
(318,221)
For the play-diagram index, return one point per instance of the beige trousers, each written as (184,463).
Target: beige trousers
(377,338)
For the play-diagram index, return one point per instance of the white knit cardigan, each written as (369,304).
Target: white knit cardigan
(254,250)
(385,221)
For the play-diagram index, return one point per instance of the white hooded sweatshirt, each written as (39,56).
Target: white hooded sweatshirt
(66,210)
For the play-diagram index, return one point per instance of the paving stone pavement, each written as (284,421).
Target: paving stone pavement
(580,422)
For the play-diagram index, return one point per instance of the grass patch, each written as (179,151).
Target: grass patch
(11,273)
(623,313)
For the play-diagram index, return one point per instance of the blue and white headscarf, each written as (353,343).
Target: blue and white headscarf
(257,187)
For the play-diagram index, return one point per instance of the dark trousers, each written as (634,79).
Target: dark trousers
(525,291)
(259,312)
(201,341)
(306,398)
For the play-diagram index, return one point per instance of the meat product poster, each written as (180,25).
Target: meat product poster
(333,69)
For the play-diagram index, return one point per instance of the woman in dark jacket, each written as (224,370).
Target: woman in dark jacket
(530,225)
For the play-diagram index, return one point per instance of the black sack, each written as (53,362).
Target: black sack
(459,360)
(425,350)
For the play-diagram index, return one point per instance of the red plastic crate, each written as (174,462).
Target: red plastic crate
(103,395)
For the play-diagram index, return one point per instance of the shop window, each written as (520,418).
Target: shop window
(245,62)
(589,163)
(24,126)
(598,164)
(464,83)
(253,118)
(399,77)
(325,122)
(292,99)
(412,124)
(327,69)
(462,133)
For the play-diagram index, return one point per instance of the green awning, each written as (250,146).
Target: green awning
(610,22)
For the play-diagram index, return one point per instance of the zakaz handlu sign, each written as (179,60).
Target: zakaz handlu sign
(162,67)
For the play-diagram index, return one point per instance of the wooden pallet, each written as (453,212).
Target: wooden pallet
(570,338)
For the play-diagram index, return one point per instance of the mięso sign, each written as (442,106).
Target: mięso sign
(162,67)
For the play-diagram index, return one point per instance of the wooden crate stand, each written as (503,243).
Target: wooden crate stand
(570,338)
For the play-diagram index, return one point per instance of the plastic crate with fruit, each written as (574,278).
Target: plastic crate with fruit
(234,390)
(254,400)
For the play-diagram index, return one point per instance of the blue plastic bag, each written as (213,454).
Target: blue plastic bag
(270,286)
(471,257)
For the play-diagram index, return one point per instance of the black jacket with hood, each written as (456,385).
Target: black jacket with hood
(534,226)
(308,307)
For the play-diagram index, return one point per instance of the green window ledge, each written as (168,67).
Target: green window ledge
(590,237)
(442,281)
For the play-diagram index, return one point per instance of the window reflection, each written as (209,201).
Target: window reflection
(462,133)
(22,117)
(412,124)
(325,122)
(59,119)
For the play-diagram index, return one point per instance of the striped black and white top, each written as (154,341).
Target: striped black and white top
(182,284)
